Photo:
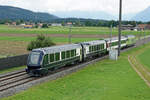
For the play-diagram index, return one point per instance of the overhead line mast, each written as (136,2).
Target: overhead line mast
(119,30)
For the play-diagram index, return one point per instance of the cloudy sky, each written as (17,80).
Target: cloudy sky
(110,6)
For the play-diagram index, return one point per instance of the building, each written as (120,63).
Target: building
(39,25)
(143,26)
(69,24)
(28,26)
(13,23)
(127,27)
(7,24)
(56,24)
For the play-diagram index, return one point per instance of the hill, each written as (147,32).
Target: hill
(14,13)
(85,14)
(143,15)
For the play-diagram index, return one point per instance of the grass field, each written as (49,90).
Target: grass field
(104,80)
(11,69)
(145,58)
(65,30)
(10,46)
(54,39)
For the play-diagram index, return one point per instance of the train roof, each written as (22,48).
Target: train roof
(116,38)
(60,48)
(95,42)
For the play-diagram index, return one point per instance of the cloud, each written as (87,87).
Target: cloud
(111,6)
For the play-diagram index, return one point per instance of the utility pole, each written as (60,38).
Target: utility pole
(119,30)
(144,35)
(69,38)
(110,35)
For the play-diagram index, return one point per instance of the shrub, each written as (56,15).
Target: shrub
(44,26)
(40,42)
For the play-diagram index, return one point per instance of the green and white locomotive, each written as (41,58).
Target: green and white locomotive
(43,59)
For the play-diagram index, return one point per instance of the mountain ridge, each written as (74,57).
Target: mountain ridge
(85,14)
(15,13)
(143,15)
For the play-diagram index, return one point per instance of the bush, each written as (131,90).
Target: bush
(44,26)
(40,42)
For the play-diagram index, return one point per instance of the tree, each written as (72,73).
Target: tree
(44,26)
(63,23)
(40,42)
(88,23)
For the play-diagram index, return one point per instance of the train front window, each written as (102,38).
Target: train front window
(34,58)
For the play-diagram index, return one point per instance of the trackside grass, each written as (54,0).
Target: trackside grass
(144,57)
(104,80)
(11,69)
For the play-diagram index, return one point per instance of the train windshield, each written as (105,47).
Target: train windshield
(34,58)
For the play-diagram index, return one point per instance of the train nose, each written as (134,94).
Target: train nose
(27,71)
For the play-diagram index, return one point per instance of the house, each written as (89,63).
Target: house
(56,24)
(69,24)
(28,26)
(7,24)
(143,27)
(39,25)
(13,23)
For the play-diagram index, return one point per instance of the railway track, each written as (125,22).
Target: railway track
(16,79)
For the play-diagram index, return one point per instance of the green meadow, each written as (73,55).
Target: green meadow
(104,80)
(54,39)
(144,57)
(65,30)
(11,69)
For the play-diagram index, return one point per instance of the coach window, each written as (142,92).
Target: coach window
(46,59)
(72,53)
(76,52)
(68,54)
(90,49)
(95,48)
(98,47)
(63,55)
(57,56)
(51,57)
(102,46)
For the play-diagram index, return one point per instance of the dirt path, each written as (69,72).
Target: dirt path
(139,68)
(57,35)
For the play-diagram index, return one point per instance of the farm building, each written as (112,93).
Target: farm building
(28,26)
(143,26)
(127,27)
(56,24)
(14,23)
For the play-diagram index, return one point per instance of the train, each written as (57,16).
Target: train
(42,60)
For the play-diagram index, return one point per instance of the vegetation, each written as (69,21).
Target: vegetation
(11,69)
(65,30)
(104,80)
(57,40)
(44,26)
(40,42)
(9,14)
(144,57)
